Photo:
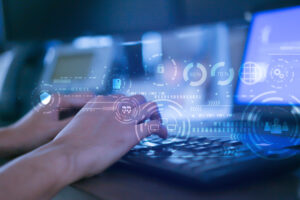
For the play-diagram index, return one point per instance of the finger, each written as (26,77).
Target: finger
(111,102)
(114,97)
(74,100)
(152,127)
(140,99)
(116,102)
(71,104)
(109,98)
(132,101)
(150,111)
(101,102)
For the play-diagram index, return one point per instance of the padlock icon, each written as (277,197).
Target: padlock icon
(160,69)
(117,83)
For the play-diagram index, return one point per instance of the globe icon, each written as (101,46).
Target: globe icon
(251,73)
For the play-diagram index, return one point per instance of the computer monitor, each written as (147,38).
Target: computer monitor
(270,72)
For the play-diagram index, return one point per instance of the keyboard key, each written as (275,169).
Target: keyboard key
(201,149)
(202,153)
(198,158)
(217,150)
(192,165)
(182,154)
(234,143)
(177,161)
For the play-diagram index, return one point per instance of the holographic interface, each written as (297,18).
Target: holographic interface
(190,75)
(272,59)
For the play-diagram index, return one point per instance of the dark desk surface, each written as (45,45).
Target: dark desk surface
(127,184)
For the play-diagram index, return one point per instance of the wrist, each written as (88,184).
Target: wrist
(71,158)
(64,161)
(49,169)
(80,156)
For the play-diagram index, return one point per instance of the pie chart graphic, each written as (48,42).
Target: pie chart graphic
(200,73)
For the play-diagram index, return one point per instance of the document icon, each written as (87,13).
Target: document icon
(117,84)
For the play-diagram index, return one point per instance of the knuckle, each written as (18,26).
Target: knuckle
(139,97)
(99,98)
(153,104)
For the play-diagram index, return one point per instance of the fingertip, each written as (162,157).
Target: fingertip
(149,110)
(156,127)
(163,132)
(156,116)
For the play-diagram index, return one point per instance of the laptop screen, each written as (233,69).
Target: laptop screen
(270,72)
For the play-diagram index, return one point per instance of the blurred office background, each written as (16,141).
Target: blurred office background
(187,31)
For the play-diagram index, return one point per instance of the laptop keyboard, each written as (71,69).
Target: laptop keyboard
(193,155)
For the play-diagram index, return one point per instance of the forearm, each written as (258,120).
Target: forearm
(16,140)
(37,175)
(10,142)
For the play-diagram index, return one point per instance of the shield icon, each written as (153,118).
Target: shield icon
(45,98)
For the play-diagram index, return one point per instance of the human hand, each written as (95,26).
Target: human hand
(96,138)
(43,122)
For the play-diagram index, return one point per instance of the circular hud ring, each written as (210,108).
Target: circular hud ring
(173,118)
(161,71)
(270,129)
(126,110)
(199,74)
(45,98)
(281,73)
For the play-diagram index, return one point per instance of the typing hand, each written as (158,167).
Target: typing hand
(98,136)
(41,124)
(102,132)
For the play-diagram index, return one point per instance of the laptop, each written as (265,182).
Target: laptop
(260,136)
